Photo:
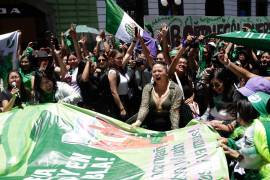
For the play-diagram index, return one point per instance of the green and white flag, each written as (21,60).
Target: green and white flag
(254,40)
(61,141)
(8,53)
(121,25)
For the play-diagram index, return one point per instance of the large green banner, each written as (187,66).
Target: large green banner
(60,141)
(248,39)
(180,26)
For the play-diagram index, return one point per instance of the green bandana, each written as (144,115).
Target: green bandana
(259,101)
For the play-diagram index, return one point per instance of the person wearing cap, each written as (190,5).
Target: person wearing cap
(255,84)
(252,151)
(44,62)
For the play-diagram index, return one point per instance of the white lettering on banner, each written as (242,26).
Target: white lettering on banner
(106,166)
(68,178)
(41,174)
(80,157)
(64,172)
(15,11)
(78,161)
(101,168)
(93,176)
(12,11)
(3,11)
(35,178)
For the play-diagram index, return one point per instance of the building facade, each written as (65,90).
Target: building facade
(35,17)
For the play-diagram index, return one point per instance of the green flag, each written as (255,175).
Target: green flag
(121,25)
(249,39)
(61,141)
(8,53)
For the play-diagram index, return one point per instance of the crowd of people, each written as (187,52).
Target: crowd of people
(224,85)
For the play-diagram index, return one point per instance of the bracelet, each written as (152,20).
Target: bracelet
(134,41)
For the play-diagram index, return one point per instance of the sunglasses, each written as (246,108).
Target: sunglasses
(99,60)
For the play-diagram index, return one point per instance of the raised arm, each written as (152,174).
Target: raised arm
(64,48)
(145,50)
(58,60)
(175,61)
(165,49)
(192,63)
(86,72)
(129,52)
(238,71)
(73,35)
(19,49)
(228,48)
(84,42)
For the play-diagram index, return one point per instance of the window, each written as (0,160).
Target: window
(243,7)
(261,7)
(214,8)
(171,8)
(129,6)
(133,8)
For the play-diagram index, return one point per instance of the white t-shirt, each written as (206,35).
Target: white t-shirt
(122,88)
(74,83)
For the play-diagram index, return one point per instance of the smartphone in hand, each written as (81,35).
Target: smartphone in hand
(136,31)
